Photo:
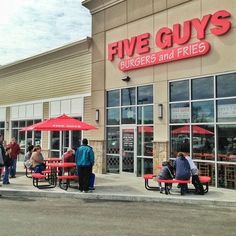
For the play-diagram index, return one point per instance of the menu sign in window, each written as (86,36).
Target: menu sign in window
(128,141)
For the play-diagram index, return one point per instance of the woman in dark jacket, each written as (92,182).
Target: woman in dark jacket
(167,172)
(182,170)
(7,164)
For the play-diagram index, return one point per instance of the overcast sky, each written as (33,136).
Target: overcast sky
(30,27)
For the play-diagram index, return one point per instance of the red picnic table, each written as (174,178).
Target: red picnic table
(54,173)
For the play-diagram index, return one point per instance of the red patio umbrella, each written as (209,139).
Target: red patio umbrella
(60,123)
(196,130)
(32,127)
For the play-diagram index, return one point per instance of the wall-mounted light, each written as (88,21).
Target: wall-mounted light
(160,111)
(97,115)
(126,78)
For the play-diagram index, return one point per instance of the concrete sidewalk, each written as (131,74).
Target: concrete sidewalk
(120,188)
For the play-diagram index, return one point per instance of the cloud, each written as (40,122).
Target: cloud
(29,27)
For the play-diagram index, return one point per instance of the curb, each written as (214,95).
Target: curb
(117,197)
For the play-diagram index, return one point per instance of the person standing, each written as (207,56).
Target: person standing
(195,178)
(7,164)
(15,151)
(2,155)
(84,158)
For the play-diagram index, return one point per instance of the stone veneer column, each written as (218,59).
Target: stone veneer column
(100,156)
(160,154)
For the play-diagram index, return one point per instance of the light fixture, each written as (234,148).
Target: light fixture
(126,78)
(160,111)
(97,115)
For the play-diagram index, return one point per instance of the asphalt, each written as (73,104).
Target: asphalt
(116,187)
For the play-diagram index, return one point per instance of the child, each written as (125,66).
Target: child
(167,172)
(7,164)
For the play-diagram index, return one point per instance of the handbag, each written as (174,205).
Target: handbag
(28,164)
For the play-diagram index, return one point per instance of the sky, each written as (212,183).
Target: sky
(31,27)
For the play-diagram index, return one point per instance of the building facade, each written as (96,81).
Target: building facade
(163,81)
(44,86)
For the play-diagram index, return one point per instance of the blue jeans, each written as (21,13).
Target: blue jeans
(13,167)
(6,175)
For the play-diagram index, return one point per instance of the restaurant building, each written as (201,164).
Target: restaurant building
(163,81)
(157,77)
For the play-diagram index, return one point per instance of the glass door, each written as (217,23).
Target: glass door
(128,153)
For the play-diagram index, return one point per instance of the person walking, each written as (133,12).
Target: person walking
(84,159)
(15,151)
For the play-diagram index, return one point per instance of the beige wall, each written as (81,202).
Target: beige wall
(219,59)
(65,72)
(115,20)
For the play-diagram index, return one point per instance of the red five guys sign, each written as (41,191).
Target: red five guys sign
(165,38)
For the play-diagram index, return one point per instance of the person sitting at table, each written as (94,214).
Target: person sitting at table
(27,162)
(167,172)
(37,160)
(195,178)
(182,170)
(68,156)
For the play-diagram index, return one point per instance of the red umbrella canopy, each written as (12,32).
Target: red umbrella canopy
(60,123)
(32,127)
(196,130)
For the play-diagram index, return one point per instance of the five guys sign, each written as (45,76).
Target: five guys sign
(165,38)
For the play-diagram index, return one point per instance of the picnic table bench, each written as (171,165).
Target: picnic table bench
(204,180)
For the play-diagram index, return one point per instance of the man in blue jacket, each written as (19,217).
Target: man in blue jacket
(84,158)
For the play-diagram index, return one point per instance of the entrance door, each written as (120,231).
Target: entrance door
(128,150)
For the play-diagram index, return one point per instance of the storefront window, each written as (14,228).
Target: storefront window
(113,98)
(55,140)
(179,91)
(226,85)
(226,143)
(145,141)
(76,138)
(128,96)
(226,176)
(202,112)
(179,113)
(113,116)
(128,115)
(226,110)
(113,140)
(25,138)
(180,139)
(203,142)
(207,169)
(202,92)
(2,128)
(148,166)
(209,135)
(145,94)
(145,115)
(113,164)
(148,140)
